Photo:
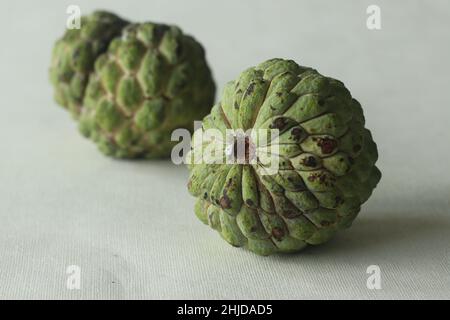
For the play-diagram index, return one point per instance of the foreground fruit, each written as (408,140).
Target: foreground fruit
(151,80)
(326,160)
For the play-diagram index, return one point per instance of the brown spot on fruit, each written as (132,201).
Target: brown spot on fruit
(324,223)
(278,123)
(249,202)
(296,134)
(327,145)
(225,202)
(309,162)
(278,233)
(324,178)
(338,201)
(250,89)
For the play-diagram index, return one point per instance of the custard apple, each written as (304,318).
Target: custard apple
(326,160)
(74,56)
(150,80)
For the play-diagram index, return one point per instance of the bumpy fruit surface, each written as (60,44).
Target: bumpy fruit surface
(152,80)
(140,83)
(326,160)
(74,56)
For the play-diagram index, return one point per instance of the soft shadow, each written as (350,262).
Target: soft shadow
(378,233)
(164,165)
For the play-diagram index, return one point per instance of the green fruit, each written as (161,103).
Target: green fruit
(74,56)
(326,160)
(151,80)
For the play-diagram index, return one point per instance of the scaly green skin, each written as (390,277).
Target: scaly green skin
(152,80)
(327,161)
(74,56)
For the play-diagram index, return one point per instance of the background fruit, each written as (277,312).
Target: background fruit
(74,56)
(129,98)
(152,80)
(326,157)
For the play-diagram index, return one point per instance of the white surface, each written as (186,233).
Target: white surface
(130,225)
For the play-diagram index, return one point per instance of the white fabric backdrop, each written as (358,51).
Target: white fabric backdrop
(129,225)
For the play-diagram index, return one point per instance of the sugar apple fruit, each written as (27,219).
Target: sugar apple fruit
(326,160)
(148,80)
(74,56)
